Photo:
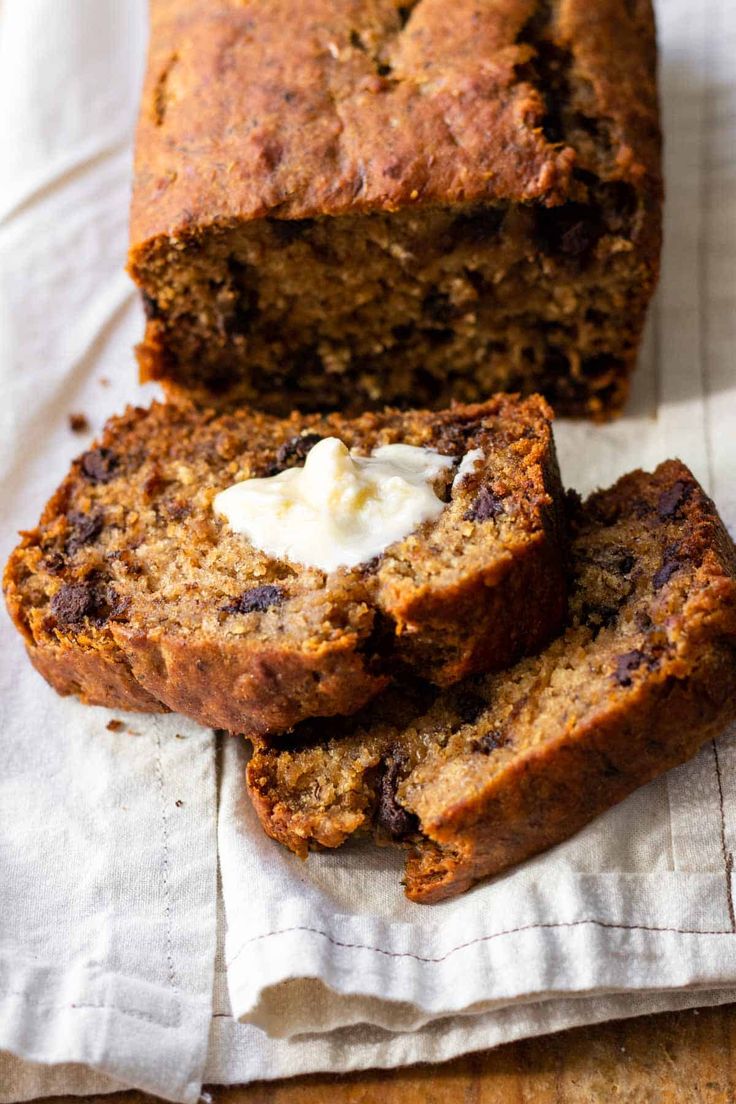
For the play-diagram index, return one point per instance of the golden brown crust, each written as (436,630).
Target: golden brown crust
(316,138)
(132,593)
(224,685)
(272,136)
(100,677)
(217,141)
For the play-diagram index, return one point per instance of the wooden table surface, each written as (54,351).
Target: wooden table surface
(672,1058)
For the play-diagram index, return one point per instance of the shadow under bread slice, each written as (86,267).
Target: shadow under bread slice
(477,777)
(133,593)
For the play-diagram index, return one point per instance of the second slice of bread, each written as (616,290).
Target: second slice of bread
(132,593)
(486,773)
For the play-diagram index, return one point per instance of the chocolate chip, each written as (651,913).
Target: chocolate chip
(84,528)
(626,663)
(572,230)
(437,307)
(595,317)
(100,465)
(295,450)
(477,226)
(73,602)
(486,505)
(439,336)
(255,600)
(476,280)
(673,499)
(665,573)
(88,600)
(453,440)
(395,820)
(54,563)
(404,331)
(625,563)
(150,306)
(78,423)
(469,705)
(289,230)
(489,741)
(671,562)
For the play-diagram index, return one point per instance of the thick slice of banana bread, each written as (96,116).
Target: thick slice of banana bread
(343,205)
(133,593)
(484,774)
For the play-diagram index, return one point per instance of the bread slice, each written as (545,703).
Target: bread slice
(132,593)
(482,775)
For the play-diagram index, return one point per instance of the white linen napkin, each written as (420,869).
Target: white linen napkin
(119,964)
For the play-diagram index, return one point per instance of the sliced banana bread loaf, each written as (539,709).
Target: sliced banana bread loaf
(480,776)
(134,593)
(351,204)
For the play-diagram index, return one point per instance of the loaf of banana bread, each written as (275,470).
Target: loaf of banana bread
(477,777)
(343,205)
(133,592)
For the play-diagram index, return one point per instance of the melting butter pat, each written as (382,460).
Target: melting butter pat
(339,510)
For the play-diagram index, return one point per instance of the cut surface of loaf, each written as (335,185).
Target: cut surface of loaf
(347,205)
(480,776)
(133,593)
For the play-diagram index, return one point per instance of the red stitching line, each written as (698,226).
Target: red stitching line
(727,856)
(473,942)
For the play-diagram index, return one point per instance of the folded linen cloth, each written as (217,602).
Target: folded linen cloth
(120,965)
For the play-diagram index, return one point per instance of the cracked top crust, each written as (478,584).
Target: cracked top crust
(263,107)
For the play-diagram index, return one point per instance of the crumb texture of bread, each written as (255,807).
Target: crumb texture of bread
(348,205)
(479,776)
(132,593)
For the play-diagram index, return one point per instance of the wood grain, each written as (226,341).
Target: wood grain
(672,1058)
